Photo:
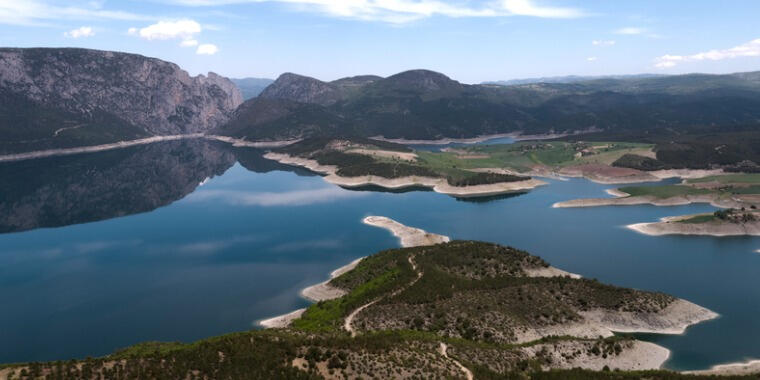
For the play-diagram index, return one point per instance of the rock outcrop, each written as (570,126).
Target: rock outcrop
(150,94)
(302,89)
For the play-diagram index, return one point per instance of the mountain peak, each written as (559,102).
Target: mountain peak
(422,80)
(301,89)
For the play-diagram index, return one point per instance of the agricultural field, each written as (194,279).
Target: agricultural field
(525,156)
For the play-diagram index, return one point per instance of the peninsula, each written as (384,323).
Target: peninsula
(437,308)
(356,162)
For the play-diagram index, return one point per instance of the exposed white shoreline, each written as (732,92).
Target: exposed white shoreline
(252,144)
(439,185)
(280,320)
(749,367)
(143,141)
(323,291)
(650,200)
(472,140)
(315,293)
(94,148)
(407,236)
(670,226)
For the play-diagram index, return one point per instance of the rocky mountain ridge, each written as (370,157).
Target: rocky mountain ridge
(93,92)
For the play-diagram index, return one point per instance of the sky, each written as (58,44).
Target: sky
(469,40)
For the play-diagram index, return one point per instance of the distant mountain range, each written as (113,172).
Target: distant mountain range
(251,87)
(57,98)
(421,104)
(568,79)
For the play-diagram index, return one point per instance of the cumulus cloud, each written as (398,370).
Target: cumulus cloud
(591,59)
(402,11)
(749,49)
(184,29)
(83,31)
(630,31)
(603,42)
(206,49)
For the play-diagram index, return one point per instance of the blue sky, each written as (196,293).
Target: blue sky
(469,40)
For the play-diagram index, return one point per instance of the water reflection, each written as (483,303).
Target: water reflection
(66,190)
(60,191)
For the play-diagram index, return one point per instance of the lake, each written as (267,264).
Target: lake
(184,240)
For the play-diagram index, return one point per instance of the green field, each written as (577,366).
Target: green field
(697,219)
(522,156)
(729,178)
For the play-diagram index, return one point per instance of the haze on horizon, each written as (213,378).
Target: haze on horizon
(470,41)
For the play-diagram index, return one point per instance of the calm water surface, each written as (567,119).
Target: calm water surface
(157,257)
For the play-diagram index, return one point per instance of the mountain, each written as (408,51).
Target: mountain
(251,87)
(421,104)
(303,89)
(66,97)
(568,79)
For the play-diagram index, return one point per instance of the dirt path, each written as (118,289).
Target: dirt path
(350,318)
(442,350)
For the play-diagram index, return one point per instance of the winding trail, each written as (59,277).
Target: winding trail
(442,350)
(350,318)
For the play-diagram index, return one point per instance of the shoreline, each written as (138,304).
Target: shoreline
(315,293)
(648,200)
(143,141)
(408,237)
(439,185)
(94,148)
(251,144)
(517,136)
(638,176)
(750,367)
(671,226)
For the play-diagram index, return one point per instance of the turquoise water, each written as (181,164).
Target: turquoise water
(216,258)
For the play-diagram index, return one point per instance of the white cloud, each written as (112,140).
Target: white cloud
(188,43)
(630,31)
(591,59)
(402,11)
(749,49)
(206,49)
(83,31)
(34,12)
(184,29)
(602,42)
(529,8)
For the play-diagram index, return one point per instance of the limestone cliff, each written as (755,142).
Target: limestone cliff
(155,96)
